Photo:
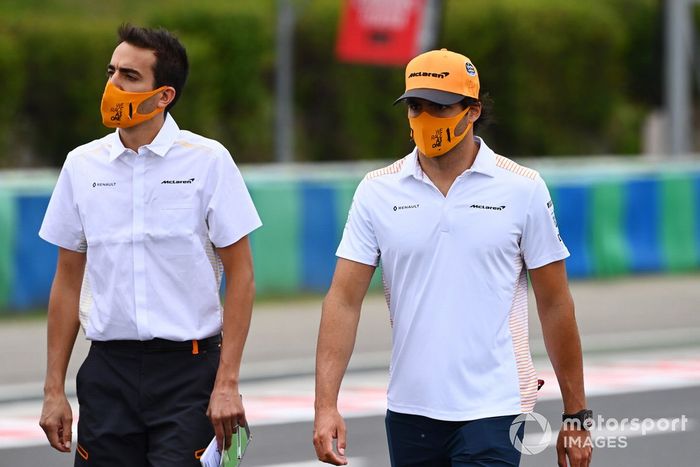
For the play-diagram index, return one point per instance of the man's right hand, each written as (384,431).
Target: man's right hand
(57,421)
(329,426)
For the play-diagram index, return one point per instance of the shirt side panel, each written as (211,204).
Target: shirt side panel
(518,327)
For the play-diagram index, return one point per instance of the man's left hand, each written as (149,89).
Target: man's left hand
(226,413)
(576,445)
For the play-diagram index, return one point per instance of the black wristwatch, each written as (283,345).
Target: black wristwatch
(582,419)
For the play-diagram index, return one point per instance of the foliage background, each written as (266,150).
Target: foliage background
(567,77)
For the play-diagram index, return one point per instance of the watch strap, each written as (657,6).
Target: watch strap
(583,419)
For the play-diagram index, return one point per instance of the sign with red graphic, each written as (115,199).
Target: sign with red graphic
(384,32)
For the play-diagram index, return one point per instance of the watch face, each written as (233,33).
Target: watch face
(588,423)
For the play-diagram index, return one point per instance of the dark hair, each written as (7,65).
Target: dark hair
(486,103)
(171,66)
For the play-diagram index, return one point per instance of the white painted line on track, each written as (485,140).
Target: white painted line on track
(364,393)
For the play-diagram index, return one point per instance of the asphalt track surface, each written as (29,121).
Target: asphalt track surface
(288,444)
(641,339)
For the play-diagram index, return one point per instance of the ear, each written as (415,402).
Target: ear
(167,95)
(474,113)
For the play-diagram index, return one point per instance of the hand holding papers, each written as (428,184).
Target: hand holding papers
(211,456)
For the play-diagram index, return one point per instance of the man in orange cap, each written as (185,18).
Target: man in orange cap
(457,229)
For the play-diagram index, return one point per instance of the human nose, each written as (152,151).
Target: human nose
(116,79)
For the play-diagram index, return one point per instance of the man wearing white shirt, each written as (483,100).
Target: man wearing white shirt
(147,220)
(457,229)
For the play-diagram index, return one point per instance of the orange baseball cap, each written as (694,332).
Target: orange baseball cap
(441,76)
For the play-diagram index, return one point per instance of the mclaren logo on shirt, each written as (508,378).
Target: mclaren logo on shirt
(487,208)
(177,182)
(406,206)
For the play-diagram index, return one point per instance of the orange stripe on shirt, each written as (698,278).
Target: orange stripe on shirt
(507,164)
(517,322)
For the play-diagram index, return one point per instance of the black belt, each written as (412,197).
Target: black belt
(161,345)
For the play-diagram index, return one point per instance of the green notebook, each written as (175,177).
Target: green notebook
(239,442)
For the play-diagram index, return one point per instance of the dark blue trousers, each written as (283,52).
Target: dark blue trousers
(416,441)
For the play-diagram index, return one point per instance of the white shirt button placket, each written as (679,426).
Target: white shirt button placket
(139,187)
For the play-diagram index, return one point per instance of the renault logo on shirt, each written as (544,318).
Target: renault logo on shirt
(96,184)
(176,182)
(406,206)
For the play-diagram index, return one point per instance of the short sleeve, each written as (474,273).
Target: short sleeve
(541,243)
(62,225)
(231,214)
(359,242)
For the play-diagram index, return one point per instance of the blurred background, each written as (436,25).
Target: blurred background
(599,96)
(567,77)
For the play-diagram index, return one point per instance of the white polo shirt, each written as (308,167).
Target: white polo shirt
(454,271)
(149,222)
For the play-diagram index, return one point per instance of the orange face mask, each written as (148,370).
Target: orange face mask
(120,109)
(435,136)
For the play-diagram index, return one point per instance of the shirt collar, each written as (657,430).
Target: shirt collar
(411,167)
(160,145)
(485,162)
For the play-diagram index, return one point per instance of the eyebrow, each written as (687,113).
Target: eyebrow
(124,70)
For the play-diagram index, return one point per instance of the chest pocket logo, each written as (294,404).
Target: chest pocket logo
(487,208)
(177,182)
(406,206)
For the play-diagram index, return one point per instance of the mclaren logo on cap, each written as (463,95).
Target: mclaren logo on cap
(471,71)
(416,74)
